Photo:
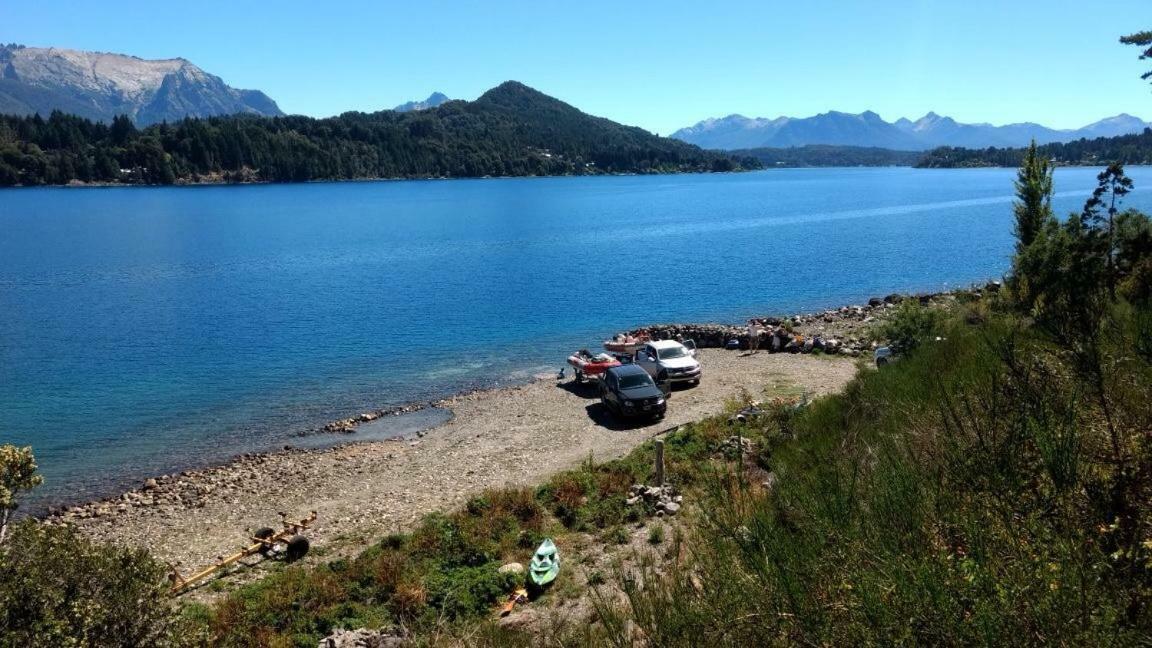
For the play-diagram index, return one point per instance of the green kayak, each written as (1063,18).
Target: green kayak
(545,564)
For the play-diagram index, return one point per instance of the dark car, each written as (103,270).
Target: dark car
(628,391)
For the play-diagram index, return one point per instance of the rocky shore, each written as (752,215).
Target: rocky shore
(495,437)
(847,330)
(512,435)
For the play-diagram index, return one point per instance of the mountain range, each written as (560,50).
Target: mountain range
(868,129)
(433,100)
(99,86)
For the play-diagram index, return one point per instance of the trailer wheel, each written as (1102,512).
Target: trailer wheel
(296,548)
(579,377)
(263,533)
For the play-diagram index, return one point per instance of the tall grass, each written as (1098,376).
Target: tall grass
(966,494)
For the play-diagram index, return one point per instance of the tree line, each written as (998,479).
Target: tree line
(1125,149)
(510,131)
(827,155)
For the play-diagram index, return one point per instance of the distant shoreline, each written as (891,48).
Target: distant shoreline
(78,184)
(247,183)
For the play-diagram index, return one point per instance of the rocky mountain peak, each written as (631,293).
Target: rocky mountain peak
(101,85)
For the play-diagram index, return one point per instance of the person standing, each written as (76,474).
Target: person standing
(753,336)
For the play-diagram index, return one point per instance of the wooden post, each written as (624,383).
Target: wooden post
(659,462)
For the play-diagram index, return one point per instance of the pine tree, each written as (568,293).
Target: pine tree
(1034,192)
(1100,213)
(1141,39)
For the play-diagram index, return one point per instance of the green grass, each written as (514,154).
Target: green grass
(965,495)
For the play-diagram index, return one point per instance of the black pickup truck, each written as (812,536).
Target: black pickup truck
(628,391)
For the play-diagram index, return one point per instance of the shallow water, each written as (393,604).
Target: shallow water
(144,330)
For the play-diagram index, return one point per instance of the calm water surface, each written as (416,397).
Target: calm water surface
(144,330)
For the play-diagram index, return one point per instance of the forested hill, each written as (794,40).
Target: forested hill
(1126,149)
(827,155)
(511,130)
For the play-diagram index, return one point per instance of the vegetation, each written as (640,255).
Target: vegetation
(822,155)
(1141,39)
(17,473)
(1124,149)
(511,130)
(1034,190)
(59,589)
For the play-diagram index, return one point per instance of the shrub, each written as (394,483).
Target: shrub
(656,534)
(57,588)
(910,325)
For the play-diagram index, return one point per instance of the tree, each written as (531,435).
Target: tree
(1141,39)
(1112,186)
(1034,193)
(17,473)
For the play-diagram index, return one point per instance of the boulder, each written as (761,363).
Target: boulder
(362,638)
(511,568)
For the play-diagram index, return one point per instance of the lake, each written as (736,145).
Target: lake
(147,330)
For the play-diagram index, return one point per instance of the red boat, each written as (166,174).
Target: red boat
(590,367)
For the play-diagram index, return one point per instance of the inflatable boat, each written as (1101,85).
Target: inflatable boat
(590,367)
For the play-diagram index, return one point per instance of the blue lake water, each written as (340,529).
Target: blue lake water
(145,330)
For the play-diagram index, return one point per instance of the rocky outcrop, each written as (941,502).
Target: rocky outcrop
(433,100)
(362,638)
(662,499)
(841,331)
(100,86)
(348,425)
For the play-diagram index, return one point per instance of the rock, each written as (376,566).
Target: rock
(875,301)
(511,568)
(893,299)
(362,638)
(150,484)
(671,508)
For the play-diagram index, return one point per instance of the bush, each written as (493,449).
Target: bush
(59,589)
(910,325)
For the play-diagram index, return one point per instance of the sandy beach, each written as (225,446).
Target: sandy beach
(360,491)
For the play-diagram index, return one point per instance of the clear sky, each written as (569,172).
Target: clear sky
(659,65)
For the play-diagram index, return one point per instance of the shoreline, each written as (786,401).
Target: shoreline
(208,182)
(81,184)
(847,324)
(495,436)
(842,328)
(506,435)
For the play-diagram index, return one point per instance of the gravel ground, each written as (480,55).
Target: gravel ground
(360,491)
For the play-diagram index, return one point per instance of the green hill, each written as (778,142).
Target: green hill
(1125,149)
(511,130)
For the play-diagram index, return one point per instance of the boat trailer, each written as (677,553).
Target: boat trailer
(264,542)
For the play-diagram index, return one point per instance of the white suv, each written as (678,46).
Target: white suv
(670,360)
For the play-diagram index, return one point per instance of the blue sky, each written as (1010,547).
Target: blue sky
(659,65)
